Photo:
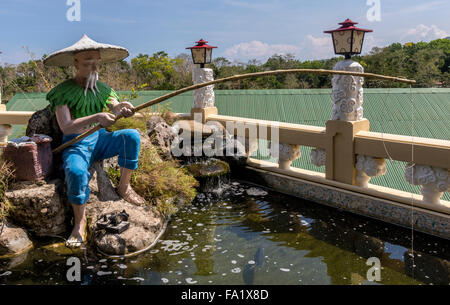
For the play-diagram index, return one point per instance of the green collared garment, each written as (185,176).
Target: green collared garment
(72,94)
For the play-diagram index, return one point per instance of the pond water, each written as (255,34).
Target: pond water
(255,237)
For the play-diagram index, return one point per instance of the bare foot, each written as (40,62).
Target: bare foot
(77,237)
(130,195)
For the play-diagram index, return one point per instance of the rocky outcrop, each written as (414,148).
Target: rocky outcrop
(44,122)
(38,206)
(161,135)
(145,225)
(13,240)
(145,222)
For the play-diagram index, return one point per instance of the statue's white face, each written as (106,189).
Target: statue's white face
(87,64)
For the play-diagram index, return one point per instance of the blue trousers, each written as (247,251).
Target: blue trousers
(98,146)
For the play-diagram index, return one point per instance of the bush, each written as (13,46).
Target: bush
(6,177)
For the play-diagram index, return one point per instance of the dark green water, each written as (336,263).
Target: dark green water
(271,239)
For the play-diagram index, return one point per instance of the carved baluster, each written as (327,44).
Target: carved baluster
(367,167)
(318,156)
(434,181)
(286,153)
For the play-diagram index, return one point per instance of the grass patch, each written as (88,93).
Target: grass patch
(6,178)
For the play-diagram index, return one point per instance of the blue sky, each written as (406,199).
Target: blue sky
(242,30)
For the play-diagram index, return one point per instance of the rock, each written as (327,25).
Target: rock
(255,191)
(39,207)
(161,135)
(13,240)
(44,122)
(101,188)
(145,225)
(153,121)
(211,174)
(145,222)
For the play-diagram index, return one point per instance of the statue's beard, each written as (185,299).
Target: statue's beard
(91,82)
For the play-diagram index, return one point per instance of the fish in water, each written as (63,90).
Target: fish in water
(259,256)
(249,270)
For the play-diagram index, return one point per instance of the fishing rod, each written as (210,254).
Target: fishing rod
(232,78)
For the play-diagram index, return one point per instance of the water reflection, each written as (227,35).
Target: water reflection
(272,239)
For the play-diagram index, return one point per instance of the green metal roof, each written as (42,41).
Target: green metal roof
(388,110)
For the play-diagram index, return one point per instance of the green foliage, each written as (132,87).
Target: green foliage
(156,70)
(125,123)
(6,177)
(426,62)
(163,181)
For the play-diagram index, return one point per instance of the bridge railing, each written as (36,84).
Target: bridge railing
(351,155)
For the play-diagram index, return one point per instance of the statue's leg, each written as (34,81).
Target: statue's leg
(76,168)
(125,143)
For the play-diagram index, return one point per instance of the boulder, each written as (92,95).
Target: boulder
(145,221)
(145,225)
(101,188)
(13,240)
(44,122)
(161,135)
(38,206)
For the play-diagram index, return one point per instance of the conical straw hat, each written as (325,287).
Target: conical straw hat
(108,52)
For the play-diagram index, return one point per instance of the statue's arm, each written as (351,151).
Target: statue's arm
(69,125)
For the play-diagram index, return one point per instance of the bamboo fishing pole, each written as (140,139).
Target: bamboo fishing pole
(232,78)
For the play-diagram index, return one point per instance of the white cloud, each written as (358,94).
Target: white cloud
(424,33)
(258,50)
(319,41)
(317,48)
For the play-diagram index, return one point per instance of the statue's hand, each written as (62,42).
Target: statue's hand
(105,119)
(125,108)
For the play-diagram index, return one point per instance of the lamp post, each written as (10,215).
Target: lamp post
(339,158)
(348,39)
(203,97)
(347,90)
(201,53)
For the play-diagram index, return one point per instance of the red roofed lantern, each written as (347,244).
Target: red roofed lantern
(348,39)
(201,53)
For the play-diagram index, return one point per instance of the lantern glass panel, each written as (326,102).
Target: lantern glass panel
(358,37)
(198,55)
(208,56)
(342,41)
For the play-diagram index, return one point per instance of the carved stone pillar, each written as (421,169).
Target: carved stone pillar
(367,167)
(203,97)
(434,181)
(286,153)
(347,94)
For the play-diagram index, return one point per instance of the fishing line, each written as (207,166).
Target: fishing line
(412,175)
(412,164)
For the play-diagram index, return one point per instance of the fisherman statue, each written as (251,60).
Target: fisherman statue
(78,104)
